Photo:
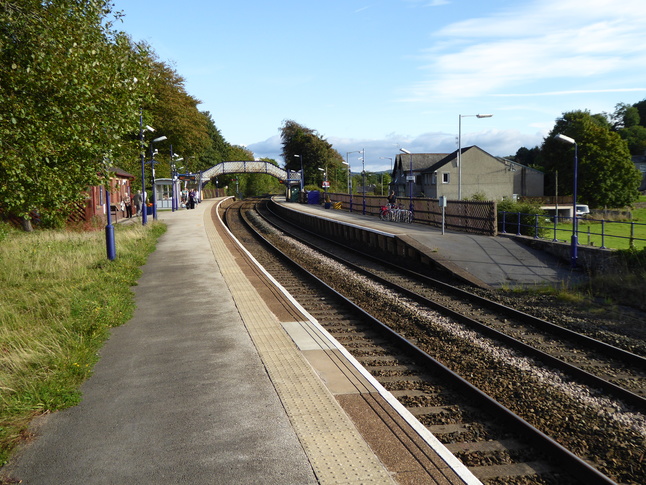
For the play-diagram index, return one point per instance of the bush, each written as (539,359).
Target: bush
(526,220)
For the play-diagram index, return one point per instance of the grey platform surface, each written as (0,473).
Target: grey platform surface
(179,395)
(497,261)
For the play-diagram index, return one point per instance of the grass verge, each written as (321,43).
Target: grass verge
(59,297)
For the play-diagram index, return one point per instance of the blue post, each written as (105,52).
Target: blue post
(109,231)
(575,225)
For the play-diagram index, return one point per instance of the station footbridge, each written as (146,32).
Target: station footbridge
(287,176)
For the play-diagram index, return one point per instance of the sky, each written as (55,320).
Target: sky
(380,75)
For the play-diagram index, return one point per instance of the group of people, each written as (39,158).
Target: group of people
(189,199)
(127,204)
(133,206)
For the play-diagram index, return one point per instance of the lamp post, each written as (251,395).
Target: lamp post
(144,215)
(325,184)
(410,178)
(174,158)
(575,226)
(350,175)
(302,173)
(391,172)
(152,166)
(460,149)
(363,178)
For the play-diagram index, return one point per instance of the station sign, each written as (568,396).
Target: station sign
(326,184)
(186,177)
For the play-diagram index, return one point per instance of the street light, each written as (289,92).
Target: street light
(460,150)
(302,173)
(575,226)
(410,178)
(144,209)
(391,172)
(152,166)
(174,158)
(350,175)
(363,177)
(324,170)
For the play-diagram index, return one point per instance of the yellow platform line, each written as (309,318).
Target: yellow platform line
(337,452)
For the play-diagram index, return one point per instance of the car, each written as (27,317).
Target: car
(582,210)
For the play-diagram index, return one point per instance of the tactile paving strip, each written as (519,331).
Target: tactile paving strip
(336,450)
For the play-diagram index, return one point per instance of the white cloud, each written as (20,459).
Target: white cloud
(570,41)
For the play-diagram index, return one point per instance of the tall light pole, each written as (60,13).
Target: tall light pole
(575,226)
(144,210)
(346,163)
(363,177)
(391,172)
(302,173)
(410,178)
(350,175)
(460,149)
(324,170)
(174,158)
(152,166)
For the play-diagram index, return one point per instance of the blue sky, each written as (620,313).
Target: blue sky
(383,74)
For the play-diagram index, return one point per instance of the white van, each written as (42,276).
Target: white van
(582,210)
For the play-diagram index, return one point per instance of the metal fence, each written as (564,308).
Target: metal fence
(590,231)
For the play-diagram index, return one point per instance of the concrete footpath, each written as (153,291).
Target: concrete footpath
(179,395)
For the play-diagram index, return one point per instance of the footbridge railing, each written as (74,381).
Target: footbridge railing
(250,167)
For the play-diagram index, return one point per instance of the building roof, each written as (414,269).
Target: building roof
(121,173)
(421,161)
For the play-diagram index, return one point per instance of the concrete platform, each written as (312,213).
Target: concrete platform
(222,378)
(488,261)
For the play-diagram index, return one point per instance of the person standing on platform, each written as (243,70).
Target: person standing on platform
(191,199)
(392,199)
(128,204)
(138,202)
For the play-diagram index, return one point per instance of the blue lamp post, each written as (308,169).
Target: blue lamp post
(152,165)
(575,222)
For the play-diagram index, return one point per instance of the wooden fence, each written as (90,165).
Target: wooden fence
(466,216)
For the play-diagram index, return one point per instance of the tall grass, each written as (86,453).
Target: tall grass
(59,297)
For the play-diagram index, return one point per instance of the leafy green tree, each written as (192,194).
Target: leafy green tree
(641,109)
(530,157)
(606,175)
(218,149)
(627,122)
(70,88)
(259,184)
(174,114)
(313,151)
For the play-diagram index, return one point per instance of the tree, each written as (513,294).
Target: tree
(70,88)
(530,157)
(627,122)
(174,113)
(606,176)
(313,150)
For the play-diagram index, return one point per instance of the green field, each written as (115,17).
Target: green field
(616,234)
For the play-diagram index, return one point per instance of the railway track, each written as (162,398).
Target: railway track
(494,444)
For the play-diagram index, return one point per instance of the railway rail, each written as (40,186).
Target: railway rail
(561,417)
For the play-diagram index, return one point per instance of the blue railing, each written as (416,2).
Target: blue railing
(519,223)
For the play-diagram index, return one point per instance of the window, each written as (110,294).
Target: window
(446,177)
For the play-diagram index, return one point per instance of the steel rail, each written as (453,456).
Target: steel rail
(575,465)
